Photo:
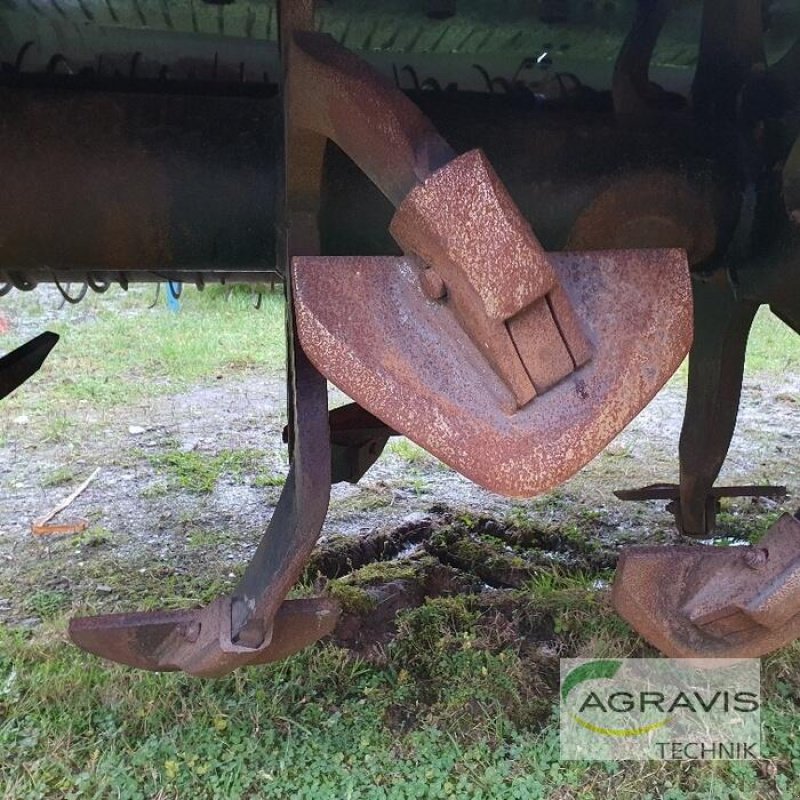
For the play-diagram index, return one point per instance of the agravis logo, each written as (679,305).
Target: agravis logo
(595,670)
(659,708)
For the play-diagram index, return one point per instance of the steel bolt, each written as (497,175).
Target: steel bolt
(432,284)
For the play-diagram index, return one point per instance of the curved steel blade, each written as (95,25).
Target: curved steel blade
(408,361)
(165,641)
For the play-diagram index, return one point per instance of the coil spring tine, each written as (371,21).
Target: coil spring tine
(21,53)
(259,298)
(155,299)
(413,73)
(576,83)
(503,83)
(485,75)
(432,84)
(175,292)
(6,288)
(22,284)
(526,63)
(53,63)
(66,295)
(101,287)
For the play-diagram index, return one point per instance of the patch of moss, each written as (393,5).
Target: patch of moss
(59,477)
(440,619)
(354,599)
(92,537)
(364,500)
(743,522)
(199,472)
(486,556)
(397,570)
(268,480)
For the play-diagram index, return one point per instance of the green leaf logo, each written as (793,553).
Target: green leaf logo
(593,670)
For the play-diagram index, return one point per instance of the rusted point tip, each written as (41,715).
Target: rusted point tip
(714,602)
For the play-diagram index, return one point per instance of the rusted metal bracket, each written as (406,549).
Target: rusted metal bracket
(672,493)
(512,365)
(357,440)
(482,259)
(255,624)
(700,601)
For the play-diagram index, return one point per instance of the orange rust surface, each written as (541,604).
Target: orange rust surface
(714,602)
(463,221)
(407,360)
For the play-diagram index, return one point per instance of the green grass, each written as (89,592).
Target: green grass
(773,347)
(59,477)
(443,716)
(199,472)
(125,353)
(410,453)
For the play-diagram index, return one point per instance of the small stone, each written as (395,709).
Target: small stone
(103,588)
(135,430)
(22,419)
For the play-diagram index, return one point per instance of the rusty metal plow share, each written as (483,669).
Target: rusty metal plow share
(512,365)
(700,601)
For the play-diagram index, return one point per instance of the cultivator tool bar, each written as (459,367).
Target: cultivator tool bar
(712,602)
